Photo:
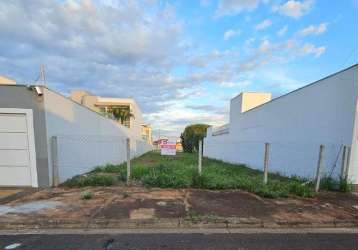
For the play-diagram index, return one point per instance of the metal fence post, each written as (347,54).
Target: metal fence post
(266,161)
(319,167)
(344,162)
(200,156)
(346,170)
(128,160)
(54,154)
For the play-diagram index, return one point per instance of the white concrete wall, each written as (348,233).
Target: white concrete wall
(86,139)
(295,124)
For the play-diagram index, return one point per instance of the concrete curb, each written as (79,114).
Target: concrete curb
(229,223)
(18,195)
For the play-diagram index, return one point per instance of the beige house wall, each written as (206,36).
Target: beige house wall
(252,100)
(6,81)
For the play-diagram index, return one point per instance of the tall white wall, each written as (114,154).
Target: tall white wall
(85,138)
(295,124)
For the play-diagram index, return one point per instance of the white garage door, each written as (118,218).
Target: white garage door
(17,149)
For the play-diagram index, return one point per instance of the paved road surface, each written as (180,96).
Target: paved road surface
(322,241)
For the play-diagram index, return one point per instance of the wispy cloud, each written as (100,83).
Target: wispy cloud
(239,84)
(294,9)
(314,30)
(231,33)
(309,48)
(264,24)
(233,7)
(282,31)
(205,3)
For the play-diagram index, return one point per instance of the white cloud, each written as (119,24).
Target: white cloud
(108,48)
(295,9)
(231,33)
(241,84)
(314,29)
(178,115)
(249,41)
(282,31)
(309,48)
(264,24)
(205,3)
(265,46)
(233,7)
(203,60)
(228,84)
(208,108)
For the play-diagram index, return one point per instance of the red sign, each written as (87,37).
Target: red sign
(167,147)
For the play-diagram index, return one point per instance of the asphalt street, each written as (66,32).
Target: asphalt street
(242,241)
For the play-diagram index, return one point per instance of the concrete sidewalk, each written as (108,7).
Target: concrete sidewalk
(8,194)
(138,207)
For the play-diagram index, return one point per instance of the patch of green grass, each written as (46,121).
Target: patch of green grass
(90,180)
(180,171)
(196,217)
(86,195)
(302,189)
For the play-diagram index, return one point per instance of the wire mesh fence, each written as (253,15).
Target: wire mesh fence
(284,158)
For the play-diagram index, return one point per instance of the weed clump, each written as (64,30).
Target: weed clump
(86,195)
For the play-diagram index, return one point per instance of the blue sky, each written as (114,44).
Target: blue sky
(181,60)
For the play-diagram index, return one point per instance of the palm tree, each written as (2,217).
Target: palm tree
(120,113)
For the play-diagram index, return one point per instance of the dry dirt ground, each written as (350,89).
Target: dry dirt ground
(138,203)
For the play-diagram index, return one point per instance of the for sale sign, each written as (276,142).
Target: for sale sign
(168,147)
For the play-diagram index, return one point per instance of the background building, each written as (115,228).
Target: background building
(125,110)
(6,80)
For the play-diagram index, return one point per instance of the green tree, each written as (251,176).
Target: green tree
(191,136)
(121,114)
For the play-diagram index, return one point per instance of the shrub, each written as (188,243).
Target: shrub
(191,136)
(86,195)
